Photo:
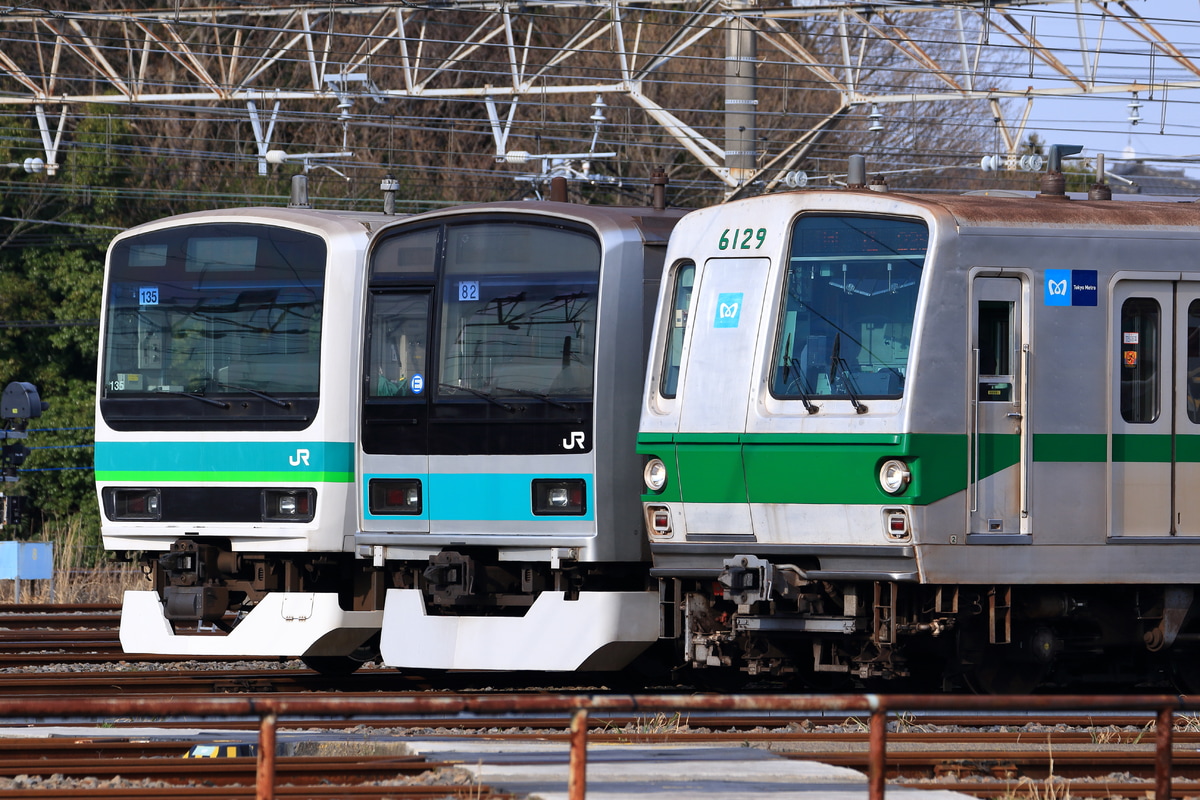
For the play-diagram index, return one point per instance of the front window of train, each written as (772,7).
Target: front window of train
(850,300)
(213,310)
(518,312)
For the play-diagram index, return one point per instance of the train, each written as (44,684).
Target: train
(928,439)
(224,445)
(504,356)
(823,437)
(343,436)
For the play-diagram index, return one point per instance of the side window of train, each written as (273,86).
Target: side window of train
(681,303)
(1141,322)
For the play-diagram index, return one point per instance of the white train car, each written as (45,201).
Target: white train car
(225,433)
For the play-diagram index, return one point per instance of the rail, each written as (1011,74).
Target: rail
(269,710)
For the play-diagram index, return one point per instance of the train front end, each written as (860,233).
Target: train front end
(224,443)
(787,474)
(502,375)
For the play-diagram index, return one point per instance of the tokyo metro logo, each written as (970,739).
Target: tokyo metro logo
(1071,287)
(729,310)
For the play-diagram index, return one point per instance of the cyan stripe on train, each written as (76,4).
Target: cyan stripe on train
(481,496)
(224,462)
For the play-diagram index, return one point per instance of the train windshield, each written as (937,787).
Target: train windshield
(518,312)
(847,317)
(215,309)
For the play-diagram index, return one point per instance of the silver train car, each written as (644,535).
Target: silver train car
(504,354)
(225,433)
(939,437)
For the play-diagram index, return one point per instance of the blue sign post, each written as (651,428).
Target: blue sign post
(26,561)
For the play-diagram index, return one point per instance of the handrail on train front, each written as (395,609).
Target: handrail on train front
(270,710)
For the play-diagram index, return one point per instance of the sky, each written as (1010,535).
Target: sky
(1169,130)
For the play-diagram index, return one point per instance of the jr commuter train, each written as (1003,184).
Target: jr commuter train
(304,415)
(225,436)
(958,437)
(504,354)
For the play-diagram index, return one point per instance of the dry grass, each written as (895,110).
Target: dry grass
(76,580)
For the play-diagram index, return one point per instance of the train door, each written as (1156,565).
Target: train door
(395,463)
(1155,442)
(726,310)
(999,452)
(1187,409)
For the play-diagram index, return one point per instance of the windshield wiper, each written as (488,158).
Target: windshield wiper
(194,396)
(478,393)
(256,393)
(545,398)
(798,382)
(847,381)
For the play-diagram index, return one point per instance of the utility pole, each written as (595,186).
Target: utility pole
(741,98)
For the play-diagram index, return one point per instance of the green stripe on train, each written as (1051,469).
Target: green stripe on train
(842,468)
(135,476)
(807,468)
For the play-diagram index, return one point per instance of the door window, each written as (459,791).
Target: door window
(995,351)
(1141,323)
(398,333)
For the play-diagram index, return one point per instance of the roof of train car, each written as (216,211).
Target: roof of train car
(655,225)
(986,211)
(370,220)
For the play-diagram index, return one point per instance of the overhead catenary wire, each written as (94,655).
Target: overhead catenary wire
(689,70)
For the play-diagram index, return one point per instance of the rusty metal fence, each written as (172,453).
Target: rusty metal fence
(270,710)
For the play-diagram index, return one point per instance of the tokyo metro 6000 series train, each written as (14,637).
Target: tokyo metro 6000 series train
(320,427)
(890,434)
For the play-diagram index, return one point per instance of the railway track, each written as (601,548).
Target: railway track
(977,763)
(992,755)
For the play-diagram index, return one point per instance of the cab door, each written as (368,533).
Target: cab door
(998,464)
(726,311)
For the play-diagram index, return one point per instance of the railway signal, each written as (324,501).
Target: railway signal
(19,403)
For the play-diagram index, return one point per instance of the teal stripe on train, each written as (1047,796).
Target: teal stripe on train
(504,497)
(224,462)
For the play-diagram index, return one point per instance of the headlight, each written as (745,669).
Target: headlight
(894,476)
(655,475)
(133,504)
(559,497)
(288,505)
(395,496)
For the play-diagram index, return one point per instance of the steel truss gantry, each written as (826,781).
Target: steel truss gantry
(258,59)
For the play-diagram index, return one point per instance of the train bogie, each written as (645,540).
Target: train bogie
(883,430)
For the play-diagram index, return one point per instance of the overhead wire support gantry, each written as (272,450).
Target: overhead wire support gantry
(362,60)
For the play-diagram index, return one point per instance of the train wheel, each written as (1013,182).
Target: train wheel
(340,666)
(991,669)
(1185,671)
(1005,677)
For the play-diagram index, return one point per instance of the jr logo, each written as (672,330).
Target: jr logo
(576,439)
(301,457)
